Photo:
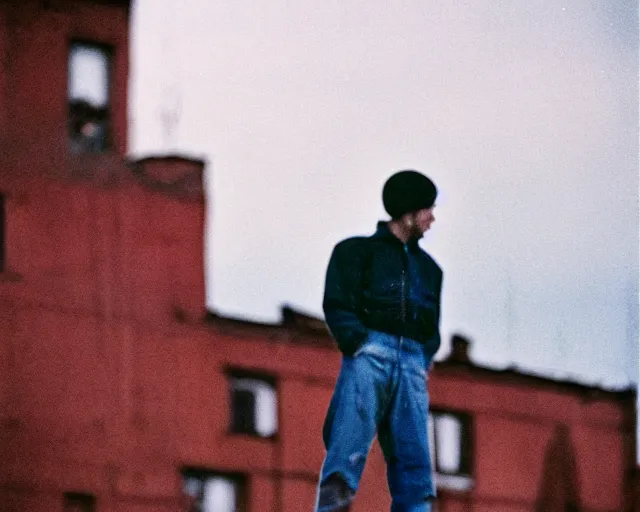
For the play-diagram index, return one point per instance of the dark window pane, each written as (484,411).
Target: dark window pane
(467,446)
(243,404)
(79,502)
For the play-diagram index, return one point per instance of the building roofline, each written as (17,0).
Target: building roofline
(110,2)
(167,157)
(303,328)
(294,326)
(512,374)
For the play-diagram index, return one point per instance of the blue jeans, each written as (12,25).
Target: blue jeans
(382,388)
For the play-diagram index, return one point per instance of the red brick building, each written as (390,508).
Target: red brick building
(119,392)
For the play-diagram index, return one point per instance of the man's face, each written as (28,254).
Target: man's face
(422,220)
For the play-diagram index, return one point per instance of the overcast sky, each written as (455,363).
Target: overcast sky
(525,114)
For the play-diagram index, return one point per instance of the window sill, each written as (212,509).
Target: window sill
(254,436)
(458,483)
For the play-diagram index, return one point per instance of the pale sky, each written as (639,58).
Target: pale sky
(524,113)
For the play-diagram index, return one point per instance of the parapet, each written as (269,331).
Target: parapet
(170,174)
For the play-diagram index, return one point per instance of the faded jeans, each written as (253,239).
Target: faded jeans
(382,388)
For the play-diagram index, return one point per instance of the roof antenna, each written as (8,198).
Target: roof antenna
(171,90)
(509,313)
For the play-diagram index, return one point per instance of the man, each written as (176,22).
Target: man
(382,306)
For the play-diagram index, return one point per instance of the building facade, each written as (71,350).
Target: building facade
(119,392)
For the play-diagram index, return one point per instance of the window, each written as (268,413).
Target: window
(2,235)
(254,404)
(451,451)
(207,491)
(79,502)
(89,66)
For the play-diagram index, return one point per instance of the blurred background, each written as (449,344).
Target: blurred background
(175,176)
(525,115)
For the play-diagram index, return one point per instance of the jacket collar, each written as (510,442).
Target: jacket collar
(384,233)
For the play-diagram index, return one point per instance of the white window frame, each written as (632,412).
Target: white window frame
(265,414)
(89,96)
(441,435)
(214,491)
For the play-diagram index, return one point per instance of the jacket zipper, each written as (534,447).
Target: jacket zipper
(402,292)
(402,299)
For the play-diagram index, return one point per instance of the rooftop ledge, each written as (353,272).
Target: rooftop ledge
(173,175)
(302,328)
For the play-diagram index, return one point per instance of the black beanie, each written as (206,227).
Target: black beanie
(408,191)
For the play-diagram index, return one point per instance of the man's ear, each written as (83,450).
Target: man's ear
(408,219)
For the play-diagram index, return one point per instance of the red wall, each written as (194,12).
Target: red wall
(515,424)
(112,381)
(35,36)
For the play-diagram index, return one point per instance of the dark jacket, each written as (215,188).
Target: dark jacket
(379,283)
